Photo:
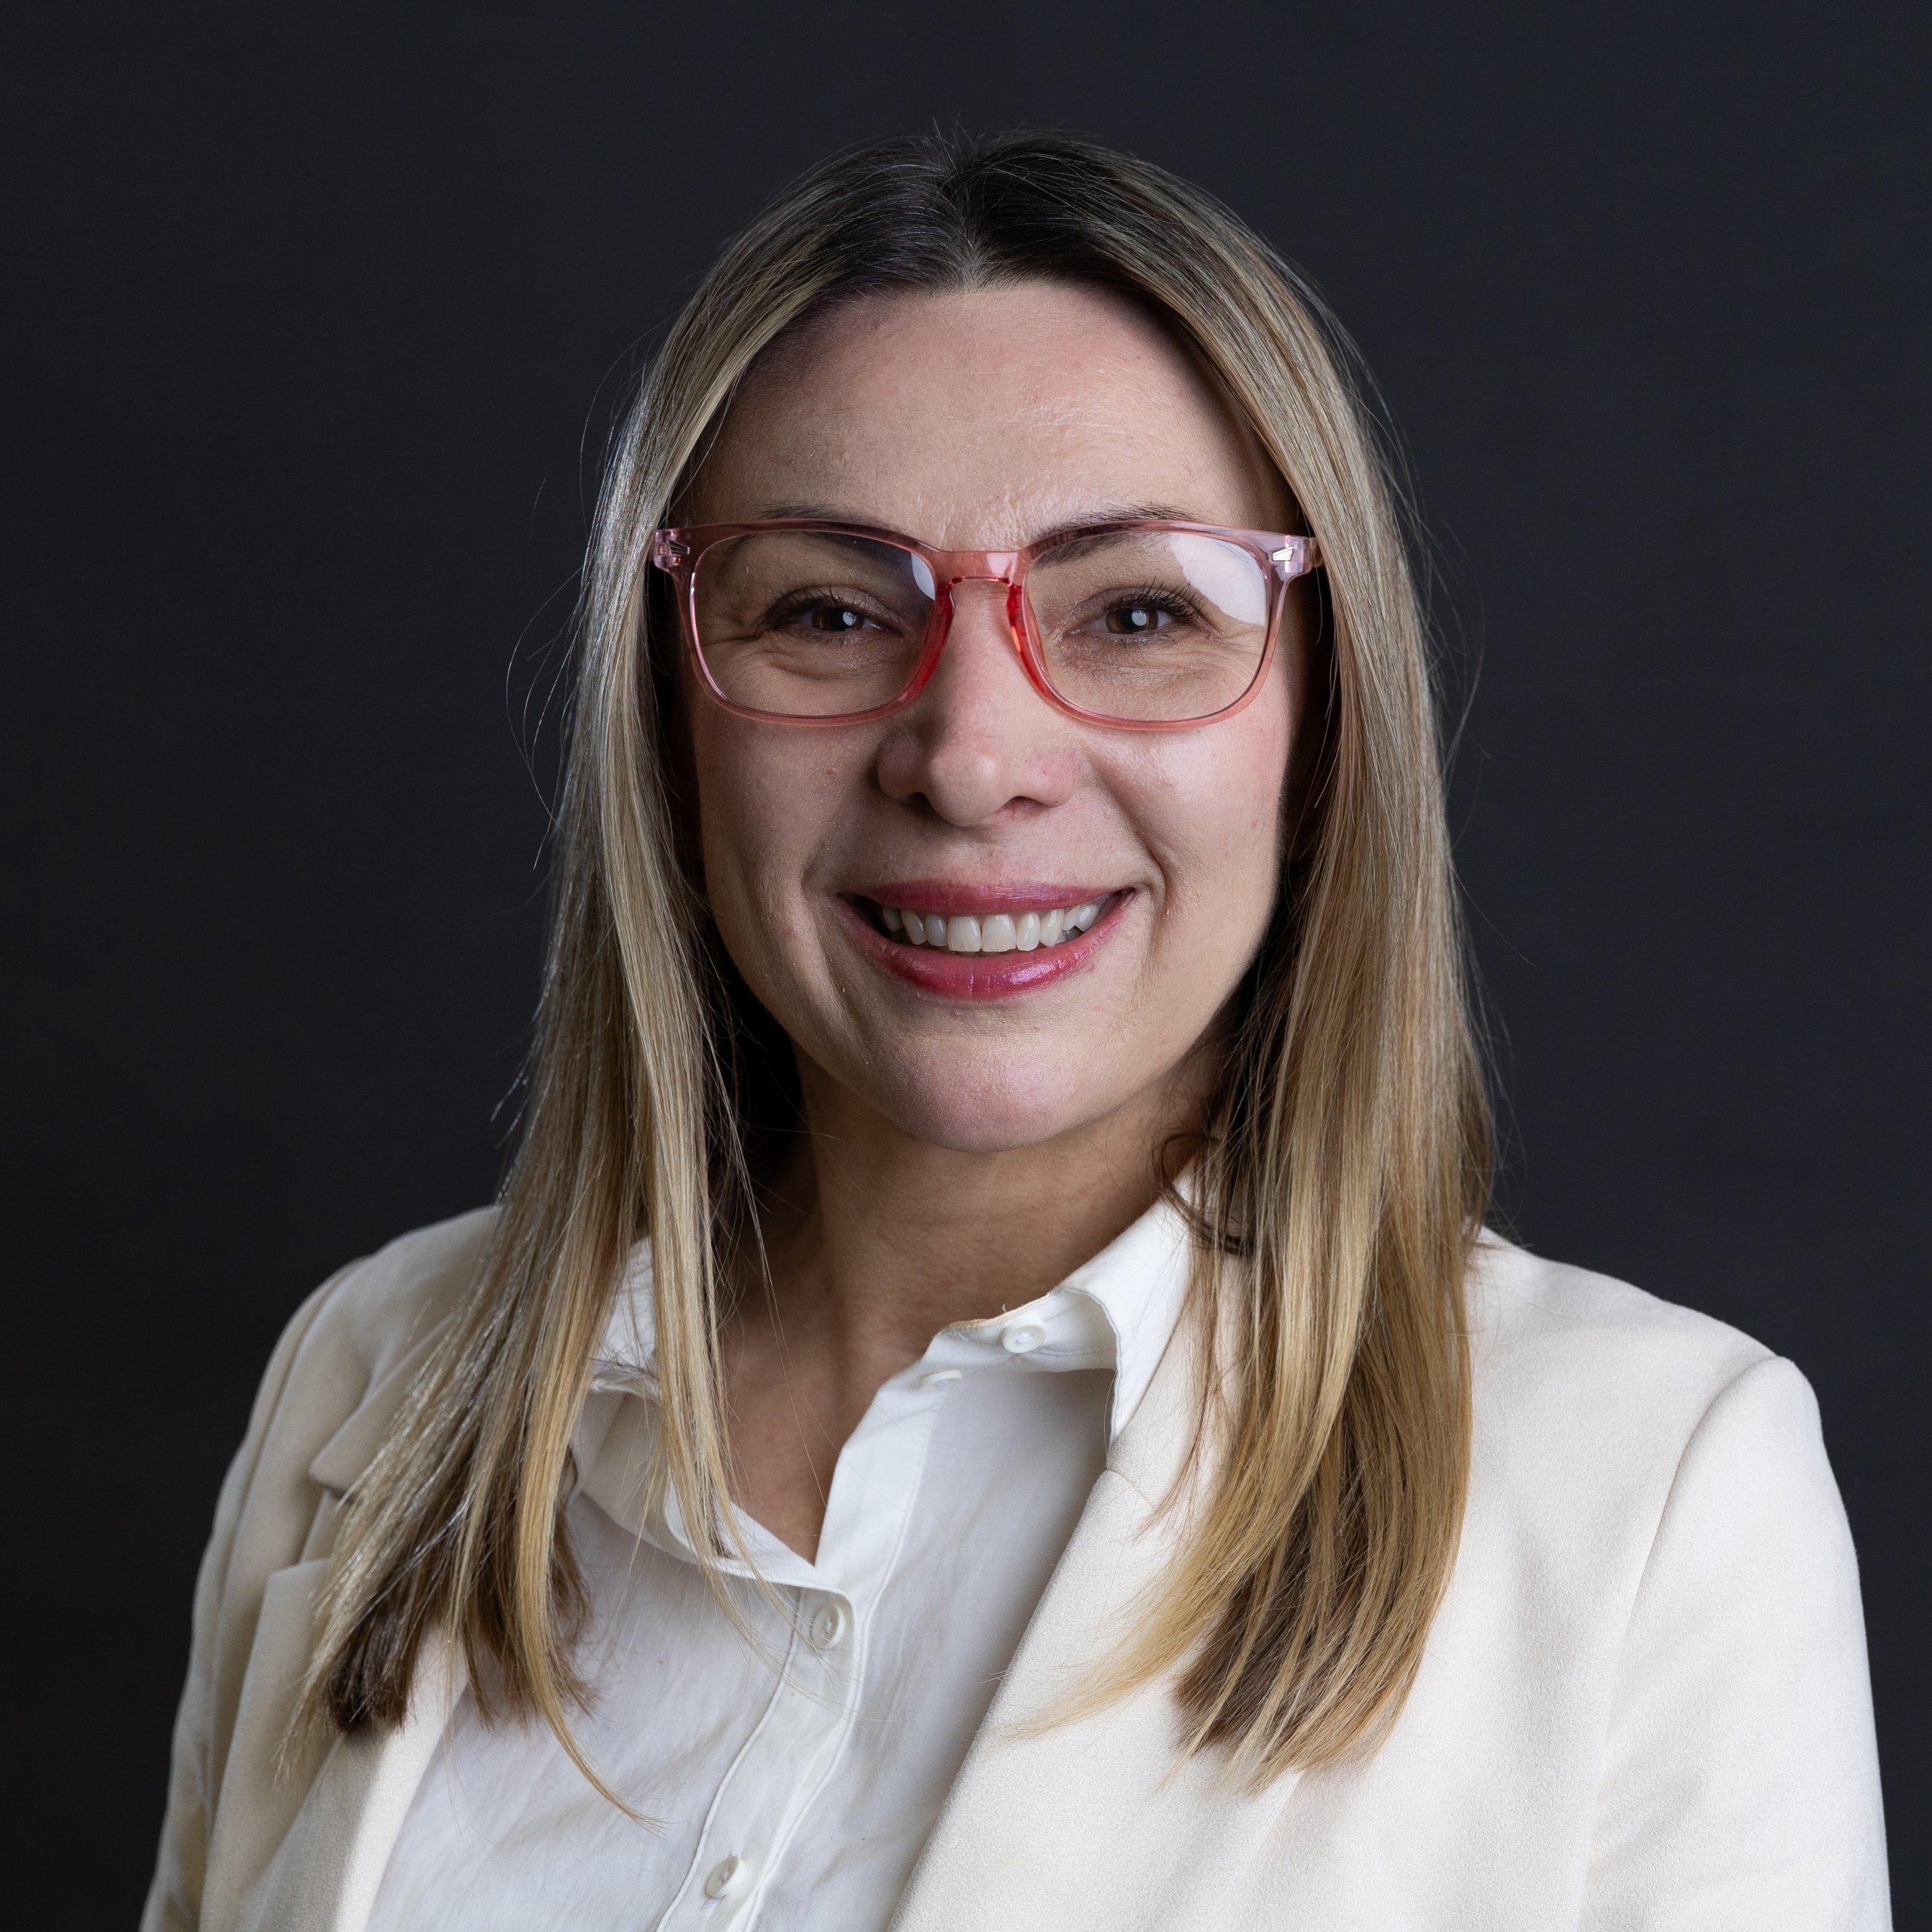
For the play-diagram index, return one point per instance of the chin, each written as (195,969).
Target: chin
(991,1108)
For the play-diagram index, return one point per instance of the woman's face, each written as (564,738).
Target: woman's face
(983,421)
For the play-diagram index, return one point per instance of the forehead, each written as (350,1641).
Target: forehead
(983,418)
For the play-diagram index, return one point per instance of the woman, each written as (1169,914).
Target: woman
(987,1401)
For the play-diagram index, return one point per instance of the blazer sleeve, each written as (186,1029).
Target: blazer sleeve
(174,1896)
(1740,1781)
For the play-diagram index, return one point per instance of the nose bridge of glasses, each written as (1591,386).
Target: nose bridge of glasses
(998,571)
(934,570)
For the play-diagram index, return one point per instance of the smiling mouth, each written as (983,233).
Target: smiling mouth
(1027,931)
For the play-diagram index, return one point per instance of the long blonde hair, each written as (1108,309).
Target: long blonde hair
(1344,1172)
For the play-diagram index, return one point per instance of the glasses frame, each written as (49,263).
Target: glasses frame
(1282,556)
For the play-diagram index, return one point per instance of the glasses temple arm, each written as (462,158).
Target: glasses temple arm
(1295,558)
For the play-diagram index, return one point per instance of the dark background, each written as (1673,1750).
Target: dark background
(315,317)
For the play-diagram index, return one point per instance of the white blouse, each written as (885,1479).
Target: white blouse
(791,1781)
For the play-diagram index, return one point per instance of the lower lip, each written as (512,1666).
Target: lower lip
(982,975)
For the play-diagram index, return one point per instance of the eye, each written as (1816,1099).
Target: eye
(1137,619)
(835,617)
(1142,610)
(828,616)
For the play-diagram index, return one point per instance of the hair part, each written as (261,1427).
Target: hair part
(1345,1171)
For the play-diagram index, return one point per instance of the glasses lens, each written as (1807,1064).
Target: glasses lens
(1151,626)
(805,624)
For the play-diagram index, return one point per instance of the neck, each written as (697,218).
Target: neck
(898,1239)
(875,1240)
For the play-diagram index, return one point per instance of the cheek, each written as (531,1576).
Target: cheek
(769,801)
(745,829)
(1221,803)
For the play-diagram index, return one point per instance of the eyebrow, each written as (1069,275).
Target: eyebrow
(1102,513)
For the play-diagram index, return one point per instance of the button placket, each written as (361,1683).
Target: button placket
(788,1758)
(779,1768)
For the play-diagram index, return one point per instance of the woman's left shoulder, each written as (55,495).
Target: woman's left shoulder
(1542,1328)
(1588,1389)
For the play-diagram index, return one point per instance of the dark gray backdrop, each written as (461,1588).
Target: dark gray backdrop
(309,310)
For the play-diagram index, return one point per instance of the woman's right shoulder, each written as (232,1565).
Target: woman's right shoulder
(376,1310)
(354,1343)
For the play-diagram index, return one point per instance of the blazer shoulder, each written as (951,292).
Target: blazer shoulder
(350,1350)
(1591,1395)
(379,1307)
(1541,1329)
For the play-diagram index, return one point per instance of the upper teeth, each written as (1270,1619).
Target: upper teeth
(997,932)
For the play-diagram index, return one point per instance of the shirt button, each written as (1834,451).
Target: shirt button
(939,1378)
(727,1878)
(1022,1338)
(826,1631)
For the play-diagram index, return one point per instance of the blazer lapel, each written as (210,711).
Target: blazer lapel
(304,1849)
(1094,1825)
(324,1874)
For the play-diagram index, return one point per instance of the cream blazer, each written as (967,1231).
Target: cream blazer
(1645,1703)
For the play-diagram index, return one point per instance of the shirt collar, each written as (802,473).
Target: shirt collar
(1116,1310)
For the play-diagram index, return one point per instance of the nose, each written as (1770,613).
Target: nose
(978,741)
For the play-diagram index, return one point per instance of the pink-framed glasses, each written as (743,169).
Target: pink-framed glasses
(1149,625)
